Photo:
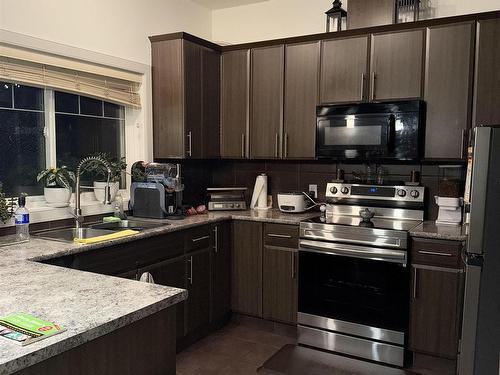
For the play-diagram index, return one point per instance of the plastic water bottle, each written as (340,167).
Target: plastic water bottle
(22,217)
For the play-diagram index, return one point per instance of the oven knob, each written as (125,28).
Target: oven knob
(401,193)
(414,194)
(231,205)
(344,190)
(333,190)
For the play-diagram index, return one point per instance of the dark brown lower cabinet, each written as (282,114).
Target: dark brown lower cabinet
(221,273)
(280,284)
(436,305)
(246,270)
(198,303)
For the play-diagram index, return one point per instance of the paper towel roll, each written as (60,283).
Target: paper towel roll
(259,196)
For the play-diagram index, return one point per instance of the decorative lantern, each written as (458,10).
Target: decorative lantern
(336,18)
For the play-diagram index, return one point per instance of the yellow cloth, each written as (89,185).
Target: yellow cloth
(107,237)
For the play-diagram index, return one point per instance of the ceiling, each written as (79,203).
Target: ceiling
(220,4)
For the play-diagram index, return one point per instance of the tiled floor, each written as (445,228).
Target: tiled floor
(245,344)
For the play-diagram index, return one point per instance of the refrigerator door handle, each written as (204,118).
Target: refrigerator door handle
(469,320)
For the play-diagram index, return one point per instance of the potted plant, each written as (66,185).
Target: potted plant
(6,209)
(57,184)
(100,174)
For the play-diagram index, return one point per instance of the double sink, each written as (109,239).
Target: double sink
(96,230)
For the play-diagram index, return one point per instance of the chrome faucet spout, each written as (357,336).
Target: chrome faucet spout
(107,190)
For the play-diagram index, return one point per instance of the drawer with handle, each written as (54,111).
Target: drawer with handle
(198,238)
(440,253)
(282,235)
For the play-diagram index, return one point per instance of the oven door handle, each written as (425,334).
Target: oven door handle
(362,252)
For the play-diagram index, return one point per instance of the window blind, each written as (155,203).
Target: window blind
(74,76)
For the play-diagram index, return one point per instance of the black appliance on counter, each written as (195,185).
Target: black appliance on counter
(354,281)
(381,131)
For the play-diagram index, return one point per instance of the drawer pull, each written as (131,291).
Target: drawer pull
(279,235)
(200,238)
(435,253)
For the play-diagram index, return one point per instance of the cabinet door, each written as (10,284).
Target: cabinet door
(435,311)
(193,99)
(199,289)
(221,272)
(280,284)
(448,89)
(168,99)
(235,104)
(246,274)
(487,85)
(396,65)
(171,273)
(267,102)
(210,85)
(301,99)
(344,70)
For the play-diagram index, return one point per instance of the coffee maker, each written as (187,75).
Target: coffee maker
(156,191)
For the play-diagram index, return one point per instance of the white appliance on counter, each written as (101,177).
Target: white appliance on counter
(450,210)
(295,202)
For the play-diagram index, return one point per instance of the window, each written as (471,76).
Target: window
(43,128)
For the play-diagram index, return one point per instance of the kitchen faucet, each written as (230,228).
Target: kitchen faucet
(107,191)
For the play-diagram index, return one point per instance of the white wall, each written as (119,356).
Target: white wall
(283,18)
(115,27)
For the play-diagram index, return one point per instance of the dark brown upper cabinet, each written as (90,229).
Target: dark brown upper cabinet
(396,65)
(344,70)
(448,89)
(186,79)
(235,91)
(486,109)
(266,119)
(301,99)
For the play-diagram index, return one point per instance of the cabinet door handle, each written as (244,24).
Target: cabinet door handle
(242,145)
(276,141)
(372,85)
(200,238)
(462,144)
(190,143)
(362,87)
(190,278)
(415,276)
(435,253)
(216,239)
(279,235)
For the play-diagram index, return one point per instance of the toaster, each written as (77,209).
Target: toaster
(294,202)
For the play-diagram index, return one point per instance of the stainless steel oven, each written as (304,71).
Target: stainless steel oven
(385,131)
(354,279)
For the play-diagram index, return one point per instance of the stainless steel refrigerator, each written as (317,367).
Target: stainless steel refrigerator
(480,342)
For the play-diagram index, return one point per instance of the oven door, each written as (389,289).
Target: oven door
(354,286)
(357,136)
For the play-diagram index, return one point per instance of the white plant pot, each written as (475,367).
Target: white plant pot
(57,197)
(99,193)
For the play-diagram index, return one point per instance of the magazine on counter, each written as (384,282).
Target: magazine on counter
(24,329)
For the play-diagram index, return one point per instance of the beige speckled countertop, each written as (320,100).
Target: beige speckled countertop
(88,304)
(429,229)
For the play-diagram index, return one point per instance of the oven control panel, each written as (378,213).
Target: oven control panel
(376,192)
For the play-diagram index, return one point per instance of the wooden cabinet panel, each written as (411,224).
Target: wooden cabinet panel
(439,253)
(487,77)
(198,238)
(221,272)
(282,235)
(246,275)
(280,284)
(168,99)
(235,104)
(199,290)
(266,102)
(193,101)
(344,70)
(396,65)
(435,315)
(301,99)
(211,103)
(448,89)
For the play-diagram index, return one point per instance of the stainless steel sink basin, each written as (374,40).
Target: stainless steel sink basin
(129,224)
(69,234)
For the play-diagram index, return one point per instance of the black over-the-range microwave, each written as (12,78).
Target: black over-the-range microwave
(371,131)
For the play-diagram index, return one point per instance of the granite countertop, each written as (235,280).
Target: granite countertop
(88,304)
(429,229)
